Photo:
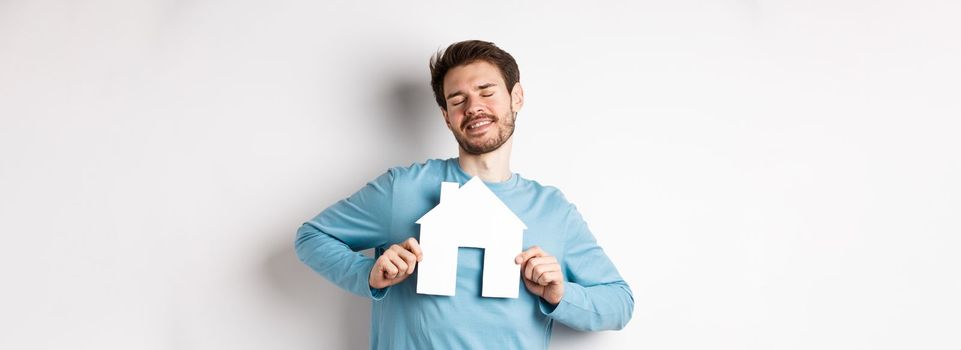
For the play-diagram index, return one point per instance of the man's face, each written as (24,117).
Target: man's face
(480,112)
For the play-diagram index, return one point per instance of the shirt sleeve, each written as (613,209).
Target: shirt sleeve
(331,242)
(595,296)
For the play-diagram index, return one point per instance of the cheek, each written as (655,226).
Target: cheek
(454,119)
(506,101)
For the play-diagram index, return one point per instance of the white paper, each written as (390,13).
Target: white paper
(453,224)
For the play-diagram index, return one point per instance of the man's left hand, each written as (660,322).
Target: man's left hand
(541,274)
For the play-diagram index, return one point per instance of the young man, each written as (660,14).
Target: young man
(566,275)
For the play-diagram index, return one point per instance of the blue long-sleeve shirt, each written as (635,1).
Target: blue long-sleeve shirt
(383,213)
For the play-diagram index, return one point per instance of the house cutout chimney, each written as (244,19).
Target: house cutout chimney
(472,217)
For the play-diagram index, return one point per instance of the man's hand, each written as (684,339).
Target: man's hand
(541,274)
(396,264)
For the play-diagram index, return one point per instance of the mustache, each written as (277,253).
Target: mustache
(470,121)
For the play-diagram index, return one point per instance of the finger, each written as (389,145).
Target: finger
(399,263)
(533,287)
(546,273)
(529,253)
(534,262)
(388,268)
(528,269)
(409,259)
(414,247)
(548,278)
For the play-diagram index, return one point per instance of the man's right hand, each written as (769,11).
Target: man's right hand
(396,264)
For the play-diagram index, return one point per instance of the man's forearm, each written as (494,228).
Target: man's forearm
(335,261)
(595,308)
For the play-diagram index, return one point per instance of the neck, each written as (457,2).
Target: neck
(494,166)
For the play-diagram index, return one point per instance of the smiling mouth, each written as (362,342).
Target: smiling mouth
(479,123)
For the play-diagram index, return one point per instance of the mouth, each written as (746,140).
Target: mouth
(479,125)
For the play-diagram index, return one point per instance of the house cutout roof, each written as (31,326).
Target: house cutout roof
(471,203)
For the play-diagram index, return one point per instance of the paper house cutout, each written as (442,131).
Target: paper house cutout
(470,216)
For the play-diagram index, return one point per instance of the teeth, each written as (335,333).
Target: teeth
(478,124)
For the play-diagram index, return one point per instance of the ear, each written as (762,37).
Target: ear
(517,97)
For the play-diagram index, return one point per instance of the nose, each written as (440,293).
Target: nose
(473,108)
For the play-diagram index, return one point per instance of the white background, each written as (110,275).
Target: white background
(765,174)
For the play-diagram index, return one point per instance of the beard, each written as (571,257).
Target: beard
(480,146)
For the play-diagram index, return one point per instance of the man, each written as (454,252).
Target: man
(566,275)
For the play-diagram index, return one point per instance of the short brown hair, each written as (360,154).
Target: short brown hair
(467,52)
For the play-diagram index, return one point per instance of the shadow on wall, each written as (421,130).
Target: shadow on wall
(411,121)
(337,318)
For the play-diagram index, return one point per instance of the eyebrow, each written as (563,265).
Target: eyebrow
(479,87)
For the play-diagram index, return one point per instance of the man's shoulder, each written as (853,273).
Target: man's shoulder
(420,174)
(429,166)
(553,205)
(546,193)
